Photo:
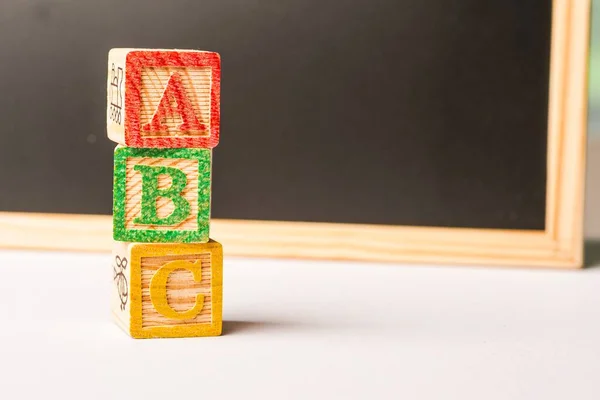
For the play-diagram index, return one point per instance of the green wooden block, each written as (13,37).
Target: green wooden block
(161,195)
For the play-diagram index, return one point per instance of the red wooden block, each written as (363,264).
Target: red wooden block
(164,98)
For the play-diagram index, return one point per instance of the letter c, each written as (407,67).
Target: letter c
(158,289)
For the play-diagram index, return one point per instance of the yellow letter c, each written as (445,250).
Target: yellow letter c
(158,289)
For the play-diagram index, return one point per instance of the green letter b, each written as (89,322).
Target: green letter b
(151,193)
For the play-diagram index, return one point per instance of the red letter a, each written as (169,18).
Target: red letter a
(174,92)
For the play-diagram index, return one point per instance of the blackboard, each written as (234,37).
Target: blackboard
(412,112)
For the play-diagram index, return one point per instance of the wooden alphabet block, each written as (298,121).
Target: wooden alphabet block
(168,290)
(161,195)
(163,98)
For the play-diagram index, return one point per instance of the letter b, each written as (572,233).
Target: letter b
(151,193)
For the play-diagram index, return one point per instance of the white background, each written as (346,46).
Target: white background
(308,330)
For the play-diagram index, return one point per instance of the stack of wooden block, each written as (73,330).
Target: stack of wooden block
(163,111)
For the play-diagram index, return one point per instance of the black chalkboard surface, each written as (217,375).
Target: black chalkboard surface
(412,112)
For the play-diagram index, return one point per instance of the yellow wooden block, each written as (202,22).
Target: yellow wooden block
(168,289)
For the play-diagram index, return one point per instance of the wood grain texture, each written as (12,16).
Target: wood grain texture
(140,317)
(146,77)
(567,124)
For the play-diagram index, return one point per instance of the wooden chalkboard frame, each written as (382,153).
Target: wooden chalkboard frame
(559,245)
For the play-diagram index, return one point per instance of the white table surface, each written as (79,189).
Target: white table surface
(308,330)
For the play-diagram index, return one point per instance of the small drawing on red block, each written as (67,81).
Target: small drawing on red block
(116,94)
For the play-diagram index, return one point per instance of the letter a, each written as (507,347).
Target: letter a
(174,93)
